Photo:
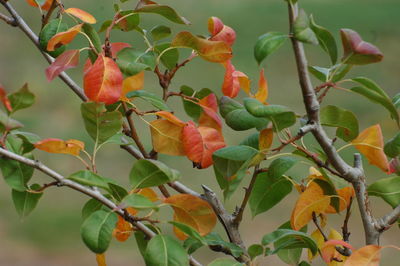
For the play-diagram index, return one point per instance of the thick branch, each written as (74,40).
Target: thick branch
(95,194)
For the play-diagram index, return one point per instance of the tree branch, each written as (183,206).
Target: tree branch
(388,220)
(95,194)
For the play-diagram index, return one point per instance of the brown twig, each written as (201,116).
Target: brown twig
(46,18)
(315,220)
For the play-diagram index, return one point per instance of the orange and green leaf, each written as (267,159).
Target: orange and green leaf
(192,211)
(132,83)
(82,15)
(265,139)
(63,38)
(103,81)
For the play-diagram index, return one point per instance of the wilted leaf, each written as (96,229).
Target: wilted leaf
(82,15)
(192,211)
(357,51)
(209,116)
(213,51)
(312,200)
(72,146)
(103,81)
(66,60)
(370,144)
(200,143)
(63,38)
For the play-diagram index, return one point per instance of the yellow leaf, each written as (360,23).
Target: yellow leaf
(265,139)
(344,199)
(312,200)
(366,256)
(101,259)
(319,239)
(192,211)
(244,81)
(166,137)
(72,146)
(82,15)
(262,93)
(132,83)
(370,144)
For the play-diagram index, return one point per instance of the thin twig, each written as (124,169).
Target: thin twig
(315,220)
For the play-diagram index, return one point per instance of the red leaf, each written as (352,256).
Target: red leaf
(66,60)
(231,85)
(63,38)
(4,99)
(103,81)
(209,116)
(357,51)
(82,15)
(118,46)
(221,32)
(46,6)
(200,143)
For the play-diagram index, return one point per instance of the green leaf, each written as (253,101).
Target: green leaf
(225,262)
(25,202)
(255,250)
(289,256)
(169,58)
(267,44)
(21,99)
(388,189)
(163,250)
(289,239)
(268,192)
(213,239)
(230,166)
(237,117)
(164,11)
(302,31)
(280,166)
(396,100)
(100,124)
(326,40)
(89,178)
(8,123)
(252,141)
(28,139)
(141,241)
(150,98)
(130,22)
(90,207)
(96,230)
(344,120)
(131,61)
(190,231)
(49,30)
(16,174)
(392,147)
(376,94)
(117,191)
(335,73)
(281,116)
(160,32)
(150,173)
(139,202)
(94,38)
(329,189)
(192,109)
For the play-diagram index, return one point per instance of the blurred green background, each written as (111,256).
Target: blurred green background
(50,235)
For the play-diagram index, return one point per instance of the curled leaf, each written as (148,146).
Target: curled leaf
(231,84)
(221,32)
(4,99)
(63,38)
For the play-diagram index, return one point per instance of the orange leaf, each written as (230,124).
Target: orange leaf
(63,38)
(72,146)
(231,84)
(101,259)
(213,51)
(103,81)
(171,118)
(192,211)
(209,116)
(122,230)
(66,60)
(244,81)
(366,256)
(200,143)
(82,15)
(46,6)
(221,32)
(265,139)
(132,83)
(166,137)
(262,93)
(4,99)
(370,144)
(344,199)
(312,200)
